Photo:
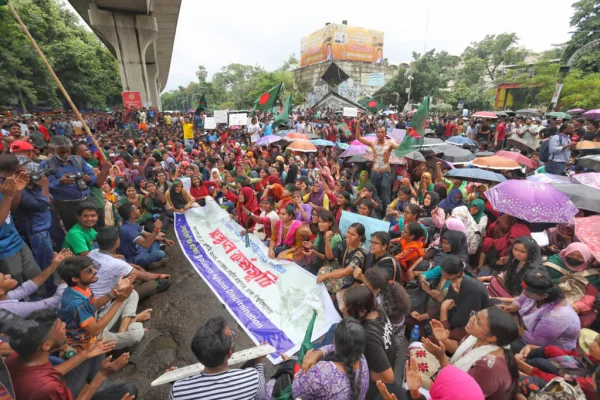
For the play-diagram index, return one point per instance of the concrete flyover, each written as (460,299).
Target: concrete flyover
(140,34)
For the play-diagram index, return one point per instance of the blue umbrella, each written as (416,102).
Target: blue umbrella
(475,174)
(342,146)
(460,140)
(321,142)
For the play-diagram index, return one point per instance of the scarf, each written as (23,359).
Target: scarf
(177,199)
(573,247)
(453,383)
(480,205)
(503,244)
(466,356)
(291,233)
(317,198)
(363,179)
(450,203)
(435,200)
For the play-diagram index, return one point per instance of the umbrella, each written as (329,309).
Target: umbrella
(294,137)
(591,179)
(518,157)
(501,114)
(549,178)
(414,155)
(460,140)
(429,132)
(397,134)
(302,146)
(592,114)
(576,111)
(485,114)
(444,164)
(558,114)
(591,162)
(587,145)
(532,201)
(528,113)
(586,230)
(484,153)
(454,154)
(394,159)
(475,174)
(359,158)
(342,146)
(321,142)
(353,150)
(521,144)
(584,198)
(313,136)
(267,140)
(432,141)
(496,162)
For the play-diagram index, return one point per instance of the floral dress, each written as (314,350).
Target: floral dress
(344,258)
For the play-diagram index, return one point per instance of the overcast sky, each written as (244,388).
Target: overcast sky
(266,32)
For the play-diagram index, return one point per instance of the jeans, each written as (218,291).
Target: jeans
(21,266)
(556,168)
(41,247)
(383,184)
(148,256)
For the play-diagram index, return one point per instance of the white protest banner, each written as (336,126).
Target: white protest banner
(221,116)
(210,123)
(350,112)
(238,119)
(273,301)
(556,94)
(371,225)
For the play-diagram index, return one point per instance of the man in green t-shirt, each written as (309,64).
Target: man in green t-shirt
(81,237)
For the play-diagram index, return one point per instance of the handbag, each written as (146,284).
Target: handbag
(559,389)
(282,247)
(496,288)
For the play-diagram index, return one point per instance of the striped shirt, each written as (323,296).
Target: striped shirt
(233,384)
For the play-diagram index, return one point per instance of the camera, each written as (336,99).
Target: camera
(13,325)
(79,182)
(40,173)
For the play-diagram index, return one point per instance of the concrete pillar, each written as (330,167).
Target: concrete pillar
(152,70)
(130,36)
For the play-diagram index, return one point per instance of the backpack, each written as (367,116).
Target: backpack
(544,153)
(572,284)
(559,389)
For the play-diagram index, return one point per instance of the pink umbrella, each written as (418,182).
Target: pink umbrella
(354,150)
(592,114)
(356,142)
(590,179)
(576,111)
(518,157)
(485,114)
(586,230)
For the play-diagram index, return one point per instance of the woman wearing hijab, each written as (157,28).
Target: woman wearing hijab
(477,210)
(178,199)
(498,249)
(454,199)
(363,179)
(316,198)
(274,188)
(474,235)
(423,186)
(560,237)
(571,270)
(120,186)
(430,201)
(246,204)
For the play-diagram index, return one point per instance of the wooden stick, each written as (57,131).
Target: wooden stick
(61,87)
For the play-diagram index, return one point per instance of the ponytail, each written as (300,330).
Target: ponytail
(506,331)
(396,302)
(354,387)
(349,342)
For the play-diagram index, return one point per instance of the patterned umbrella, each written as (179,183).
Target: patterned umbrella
(532,201)
(589,179)
(496,162)
(518,157)
(267,140)
(586,230)
(354,150)
(592,114)
(549,178)
(591,162)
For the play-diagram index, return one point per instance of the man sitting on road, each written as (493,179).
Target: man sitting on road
(213,345)
(81,237)
(111,266)
(140,247)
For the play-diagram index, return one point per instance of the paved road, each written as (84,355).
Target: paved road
(176,316)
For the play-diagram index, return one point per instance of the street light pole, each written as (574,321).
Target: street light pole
(410,79)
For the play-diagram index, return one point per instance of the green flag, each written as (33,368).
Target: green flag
(306,344)
(267,99)
(371,105)
(416,132)
(202,105)
(284,113)
(344,129)
(133,136)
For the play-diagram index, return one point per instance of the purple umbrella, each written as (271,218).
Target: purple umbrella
(267,140)
(576,111)
(532,201)
(590,179)
(592,114)
(354,150)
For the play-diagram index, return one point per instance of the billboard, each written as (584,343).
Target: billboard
(132,99)
(372,79)
(342,42)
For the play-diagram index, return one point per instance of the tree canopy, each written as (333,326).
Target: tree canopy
(83,64)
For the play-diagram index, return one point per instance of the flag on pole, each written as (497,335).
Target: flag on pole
(371,105)
(415,134)
(284,113)
(133,135)
(267,99)
(344,129)
(202,106)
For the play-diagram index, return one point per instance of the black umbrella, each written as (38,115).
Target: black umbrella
(591,162)
(521,144)
(454,154)
(359,158)
(528,113)
(415,156)
(584,197)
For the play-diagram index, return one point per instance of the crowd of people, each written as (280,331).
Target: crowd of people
(486,309)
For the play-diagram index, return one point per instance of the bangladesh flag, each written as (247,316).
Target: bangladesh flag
(344,129)
(133,135)
(371,104)
(284,113)
(416,132)
(305,346)
(202,106)
(267,99)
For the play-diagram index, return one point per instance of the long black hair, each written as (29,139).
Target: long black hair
(506,331)
(292,173)
(396,302)
(349,342)
(359,302)
(538,280)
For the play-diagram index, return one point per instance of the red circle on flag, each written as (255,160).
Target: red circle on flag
(264,98)
(372,104)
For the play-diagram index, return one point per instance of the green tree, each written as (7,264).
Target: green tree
(475,97)
(586,22)
(495,50)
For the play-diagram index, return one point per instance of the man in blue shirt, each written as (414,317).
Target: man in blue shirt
(15,257)
(560,149)
(66,188)
(140,247)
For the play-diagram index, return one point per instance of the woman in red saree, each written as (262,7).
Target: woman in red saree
(246,204)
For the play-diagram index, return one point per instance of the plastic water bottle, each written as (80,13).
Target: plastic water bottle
(415,334)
